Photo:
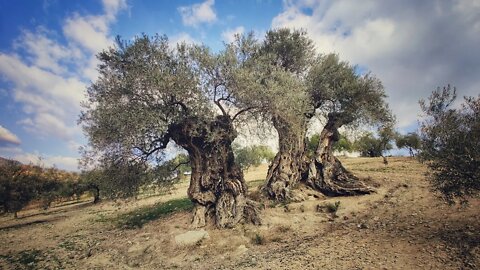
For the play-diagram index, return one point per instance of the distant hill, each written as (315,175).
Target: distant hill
(8,162)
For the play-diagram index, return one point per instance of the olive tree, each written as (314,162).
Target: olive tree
(370,145)
(149,94)
(290,54)
(323,86)
(411,141)
(344,98)
(450,145)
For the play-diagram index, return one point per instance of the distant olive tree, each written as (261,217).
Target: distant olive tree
(17,188)
(450,144)
(410,141)
(254,155)
(370,145)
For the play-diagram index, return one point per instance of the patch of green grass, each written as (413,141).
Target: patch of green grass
(100,217)
(68,245)
(138,217)
(255,183)
(333,208)
(27,259)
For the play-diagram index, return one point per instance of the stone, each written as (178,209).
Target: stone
(241,249)
(190,238)
(137,250)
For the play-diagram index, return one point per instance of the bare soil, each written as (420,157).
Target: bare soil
(401,226)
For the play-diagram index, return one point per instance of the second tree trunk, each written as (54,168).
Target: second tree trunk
(325,171)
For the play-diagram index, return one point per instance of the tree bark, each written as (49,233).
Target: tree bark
(286,169)
(325,171)
(96,194)
(217,187)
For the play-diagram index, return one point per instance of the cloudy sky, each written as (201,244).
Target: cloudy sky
(47,52)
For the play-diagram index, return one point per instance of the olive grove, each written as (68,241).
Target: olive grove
(150,94)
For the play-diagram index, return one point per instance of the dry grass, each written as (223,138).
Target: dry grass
(401,226)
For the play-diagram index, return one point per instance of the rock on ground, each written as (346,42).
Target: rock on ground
(190,238)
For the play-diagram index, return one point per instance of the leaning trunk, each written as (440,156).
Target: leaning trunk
(286,169)
(96,194)
(217,187)
(326,173)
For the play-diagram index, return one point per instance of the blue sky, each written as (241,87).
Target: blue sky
(47,52)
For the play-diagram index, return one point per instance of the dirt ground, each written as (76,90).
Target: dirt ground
(401,226)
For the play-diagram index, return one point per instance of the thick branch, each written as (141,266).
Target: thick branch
(217,102)
(242,111)
(163,142)
(180,164)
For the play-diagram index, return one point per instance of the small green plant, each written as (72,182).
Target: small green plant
(258,239)
(100,217)
(255,183)
(332,208)
(68,245)
(139,217)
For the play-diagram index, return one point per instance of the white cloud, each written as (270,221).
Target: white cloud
(7,137)
(35,79)
(229,34)
(44,52)
(91,32)
(198,13)
(52,101)
(48,77)
(112,7)
(182,37)
(412,46)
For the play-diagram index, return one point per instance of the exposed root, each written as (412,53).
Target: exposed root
(251,212)
(332,179)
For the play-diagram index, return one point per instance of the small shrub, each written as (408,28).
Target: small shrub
(332,208)
(258,239)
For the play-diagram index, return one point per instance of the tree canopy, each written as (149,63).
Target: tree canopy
(450,145)
(150,94)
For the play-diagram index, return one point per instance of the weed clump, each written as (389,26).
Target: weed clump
(258,239)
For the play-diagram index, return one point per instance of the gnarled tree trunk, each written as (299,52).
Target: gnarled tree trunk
(286,169)
(326,173)
(217,186)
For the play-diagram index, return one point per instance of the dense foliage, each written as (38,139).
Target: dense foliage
(450,144)
(21,184)
(370,145)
